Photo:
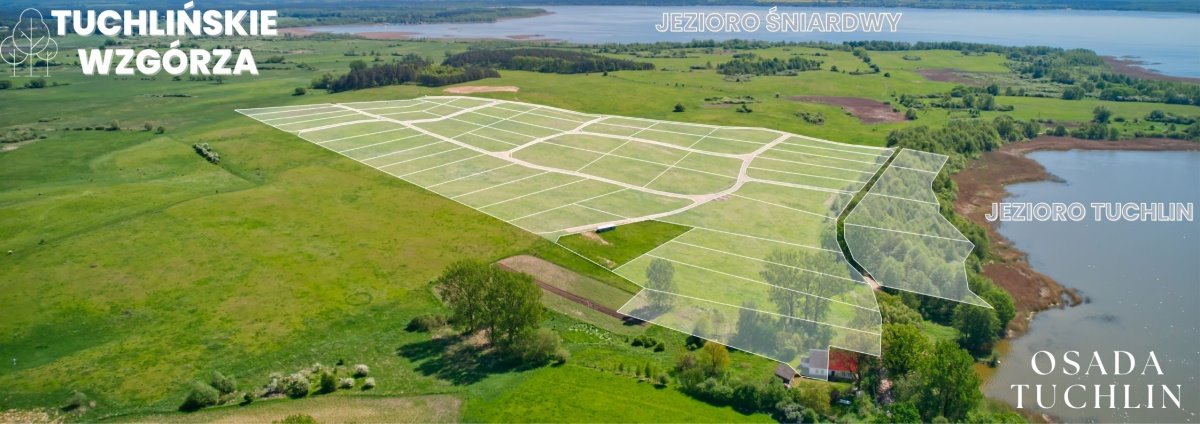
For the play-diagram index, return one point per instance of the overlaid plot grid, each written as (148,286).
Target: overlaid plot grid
(759,269)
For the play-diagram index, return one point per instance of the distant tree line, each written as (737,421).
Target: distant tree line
(772,66)
(409,68)
(543,60)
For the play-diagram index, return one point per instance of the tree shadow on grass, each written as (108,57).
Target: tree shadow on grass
(457,360)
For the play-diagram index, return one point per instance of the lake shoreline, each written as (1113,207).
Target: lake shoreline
(984,182)
(1137,68)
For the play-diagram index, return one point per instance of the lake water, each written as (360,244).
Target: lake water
(1167,42)
(1143,280)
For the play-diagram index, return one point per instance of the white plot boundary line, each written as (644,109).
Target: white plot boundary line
(669,167)
(766,261)
(902,198)
(472,175)
(480,106)
(299,108)
(444,164)
(402,150)
(874,155)
(577,203)
(765,312)
(972,298)
(531,194)
(303,116)
(759,168)
(914,169)
(499,185)
(907,232)
(380,143)
(874,164)
(739,277)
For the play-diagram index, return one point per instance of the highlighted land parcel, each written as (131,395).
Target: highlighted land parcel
(759,269)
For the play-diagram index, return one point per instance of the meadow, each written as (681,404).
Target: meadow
(132,267)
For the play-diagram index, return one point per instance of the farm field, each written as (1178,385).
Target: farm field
(137,268)
(754,200)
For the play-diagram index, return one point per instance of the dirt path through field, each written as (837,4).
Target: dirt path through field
(572,296)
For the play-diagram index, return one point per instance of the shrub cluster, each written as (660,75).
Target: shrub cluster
(205,151)
(544,60)
(426,323)
(649,343)
(361,370)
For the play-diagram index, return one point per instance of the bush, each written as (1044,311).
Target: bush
(369,383)
(5,84)
(299,91)
(426,323)
(328,383)
(537,348)
(76,401)
(346,383)
(679,108)
(294,386)
(361,370)
(662,380)
(561,356)
(274,385)
(224,385)
(37,83)
(297,419)
(202,396)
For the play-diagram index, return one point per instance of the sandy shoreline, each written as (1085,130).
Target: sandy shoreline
(983,183)
(1136,68)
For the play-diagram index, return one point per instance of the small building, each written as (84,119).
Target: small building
(785,373)
(843,365)
(816,365)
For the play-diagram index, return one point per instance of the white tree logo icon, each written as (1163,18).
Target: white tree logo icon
(29,44)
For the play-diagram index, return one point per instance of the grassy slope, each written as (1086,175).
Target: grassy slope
(625,243)
(571,393)
(137,267)
(329,408)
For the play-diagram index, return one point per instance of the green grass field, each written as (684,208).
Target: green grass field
(136,267)
(623,244)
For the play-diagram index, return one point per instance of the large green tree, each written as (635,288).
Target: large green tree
(947,386)
(660,279)
(513,304)
(462,287)
(977,326)
(904,347)
(482,296)
(799,289)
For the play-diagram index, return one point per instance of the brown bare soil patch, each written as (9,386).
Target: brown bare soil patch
(469,89)
(543,272)
(591,235)
(947,75)
(866,110)
(1135,68)
(983,183)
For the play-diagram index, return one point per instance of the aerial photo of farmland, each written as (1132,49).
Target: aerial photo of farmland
(660,211)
